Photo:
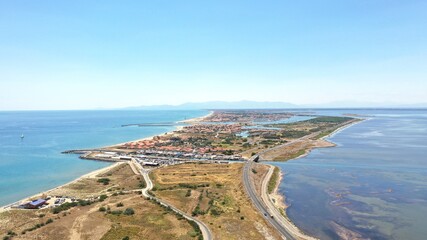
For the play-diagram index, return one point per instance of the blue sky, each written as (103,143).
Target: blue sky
(82,55)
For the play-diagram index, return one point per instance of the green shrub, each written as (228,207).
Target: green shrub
(129,211)
(116,212)
(102,197)
(63,207)
(104,181)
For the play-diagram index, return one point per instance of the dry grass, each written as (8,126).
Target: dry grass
(150,221)
(288,152)
(258,177)
(295,150)
(221,203)
(121,178)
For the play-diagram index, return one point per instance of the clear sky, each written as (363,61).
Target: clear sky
(90,54)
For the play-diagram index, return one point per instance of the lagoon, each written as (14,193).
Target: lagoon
(372,185)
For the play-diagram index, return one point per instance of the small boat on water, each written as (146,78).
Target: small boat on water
(22,136)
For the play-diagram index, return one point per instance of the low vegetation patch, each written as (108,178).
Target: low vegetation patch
(273,180)
(104,181)
(329,119)
(68,205)
(129,211)
(37,226)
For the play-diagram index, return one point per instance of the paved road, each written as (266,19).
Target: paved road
(270,212)
(259,204)
(206,232)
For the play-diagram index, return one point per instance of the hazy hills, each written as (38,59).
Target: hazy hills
(272,105)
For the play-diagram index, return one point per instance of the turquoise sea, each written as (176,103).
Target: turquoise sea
(35,163)
(373,185)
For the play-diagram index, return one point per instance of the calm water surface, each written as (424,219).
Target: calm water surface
(372,185)
(36,164)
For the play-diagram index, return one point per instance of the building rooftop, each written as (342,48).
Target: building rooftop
(37,202)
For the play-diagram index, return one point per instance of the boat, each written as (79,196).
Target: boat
(22,136)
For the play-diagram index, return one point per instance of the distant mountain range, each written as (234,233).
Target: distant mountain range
(272,105)
(219,105)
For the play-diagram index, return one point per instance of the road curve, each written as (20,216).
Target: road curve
(291,228)
(259,204)
(206,232)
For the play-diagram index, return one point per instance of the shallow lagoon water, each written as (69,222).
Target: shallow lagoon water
(373,184)
(35,163)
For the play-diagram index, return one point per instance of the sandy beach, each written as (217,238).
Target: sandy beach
(198,119)
(177,128)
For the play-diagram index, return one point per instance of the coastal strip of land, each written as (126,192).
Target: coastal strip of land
(218,139)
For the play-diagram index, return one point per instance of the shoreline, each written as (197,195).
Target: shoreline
(340,129)
(280,199)
(91,174)
(197,119)
(177,128)
(275,201)
(327,143)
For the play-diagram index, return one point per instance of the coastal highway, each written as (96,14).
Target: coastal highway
(259,204)
(269,211)
(206,232)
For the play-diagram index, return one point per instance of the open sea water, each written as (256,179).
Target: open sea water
(373,185)
(35,163)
